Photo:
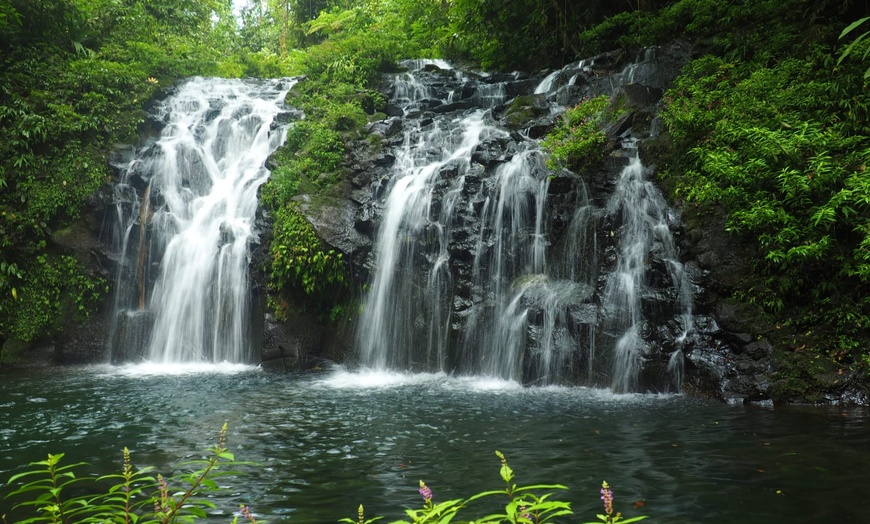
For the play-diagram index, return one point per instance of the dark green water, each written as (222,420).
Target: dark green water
(330,441)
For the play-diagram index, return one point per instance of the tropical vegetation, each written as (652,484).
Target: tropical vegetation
(767,123)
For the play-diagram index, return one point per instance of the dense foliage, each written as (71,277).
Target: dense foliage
(74,78)
(300,263)
(52,491)
(576,143)
(781,147)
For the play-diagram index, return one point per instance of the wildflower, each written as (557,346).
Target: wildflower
(152,80)
(524,513)
(246,512)
(607,497)
(161,504)
(425,492)
(163,486)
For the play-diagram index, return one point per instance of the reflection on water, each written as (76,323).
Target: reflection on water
(330,441)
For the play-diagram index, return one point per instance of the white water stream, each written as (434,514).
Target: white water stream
(528,319)
(195,222)
(642,211)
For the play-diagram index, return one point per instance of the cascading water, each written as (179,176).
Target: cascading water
(640,209)
(509,256)
(461,280)
(185,211)
(397,301)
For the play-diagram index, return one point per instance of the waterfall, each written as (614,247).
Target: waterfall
(183,290)
(395,302)
(547,83)
(510,247)
(641,212)
(468,275)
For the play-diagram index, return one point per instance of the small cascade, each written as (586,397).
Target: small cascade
(404,295)
(642,70)
(560,86)
(639,212)
(510,249)
(547,83)
(182,291)
(409,88)
(490,95)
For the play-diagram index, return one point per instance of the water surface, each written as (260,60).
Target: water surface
(330,440)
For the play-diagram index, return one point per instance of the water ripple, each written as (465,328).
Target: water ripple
(330,441)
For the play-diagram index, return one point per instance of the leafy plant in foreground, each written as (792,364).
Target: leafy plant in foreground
(863,37)
(608,517)
(139,496)
(525,505)
(133,496)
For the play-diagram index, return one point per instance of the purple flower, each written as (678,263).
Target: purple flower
(524,513)
(607,498)
(425,492)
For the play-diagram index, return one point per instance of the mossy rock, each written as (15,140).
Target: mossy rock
(371,102)
(806,377)
(657,151)
(376,116)
(12,350)
(523,109)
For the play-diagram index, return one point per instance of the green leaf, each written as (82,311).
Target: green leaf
(540,486)
(633,519)
(486,494)
(846,52)
(853,25)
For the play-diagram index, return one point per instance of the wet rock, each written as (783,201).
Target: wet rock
(291,344)
(489,152)
(334,220)
(631,97)
(522,110)
(453,106)
(385,128)
(393,110)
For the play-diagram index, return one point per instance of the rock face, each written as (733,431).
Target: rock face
(728,352)
(451,274)
(718,347)
(77,341)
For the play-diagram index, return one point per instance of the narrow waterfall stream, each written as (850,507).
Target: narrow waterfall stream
(469,276)
(395,304)
(185,210)
(642,211)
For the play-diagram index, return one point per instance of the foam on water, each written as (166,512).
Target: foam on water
(150,369)
(341,378)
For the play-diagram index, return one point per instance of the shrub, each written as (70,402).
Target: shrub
(524,505)
(54,492)
(299,262)
(785,150)
(576,141)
